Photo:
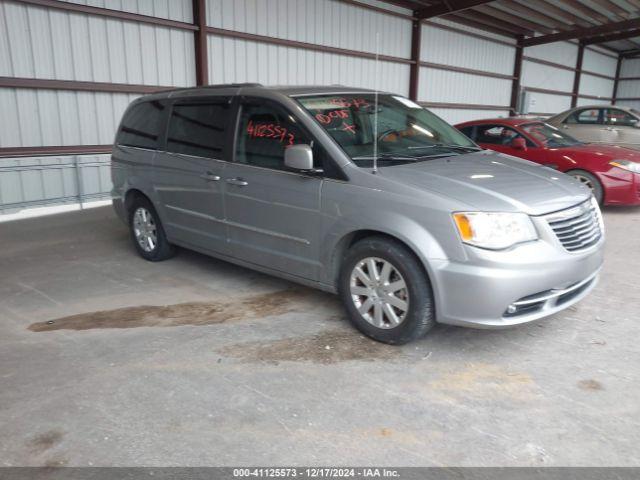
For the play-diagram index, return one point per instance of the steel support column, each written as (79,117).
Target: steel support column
(576,77)
(414,74)
(200,35)
(517,74)
(617,79)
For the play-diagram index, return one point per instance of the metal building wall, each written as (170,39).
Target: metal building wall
(68,72)
(319,22)
(629,84)
(542,74)
(42,43)
(325,23)
(601,81)
(549,72)
(456,57)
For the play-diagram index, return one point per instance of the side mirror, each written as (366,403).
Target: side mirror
(299,157)
(519,143)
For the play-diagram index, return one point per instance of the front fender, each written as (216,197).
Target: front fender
(427,232)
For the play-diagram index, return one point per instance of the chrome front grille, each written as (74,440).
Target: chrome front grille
(577,228)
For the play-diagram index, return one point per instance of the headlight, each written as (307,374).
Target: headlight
(494,230)
(626,165)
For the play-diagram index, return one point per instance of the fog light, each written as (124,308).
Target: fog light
(512,309)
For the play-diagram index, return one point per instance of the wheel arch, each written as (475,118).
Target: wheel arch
(351,238)
(595,175)
(131,196)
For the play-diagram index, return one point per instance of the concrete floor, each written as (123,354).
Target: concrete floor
(198,362)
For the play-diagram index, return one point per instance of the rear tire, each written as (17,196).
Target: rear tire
(386,291)
(589,180)
(147,233)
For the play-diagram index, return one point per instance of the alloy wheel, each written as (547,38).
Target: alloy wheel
(379,292)
(584,180)
(144,229)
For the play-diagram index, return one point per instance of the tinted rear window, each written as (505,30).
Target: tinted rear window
(141,125)
(198,129)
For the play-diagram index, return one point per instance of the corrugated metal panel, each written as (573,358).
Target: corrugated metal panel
(630,68)
(50,44)
(600,63)
(547,103)
(453,87)
(322,22)
(454,116)
(629,88)
(33,118)
(598,86)
(179,10)
(234,60)
(452,48)
(29,182)
(564,53)
(590,101)
(543,76)
(629,103)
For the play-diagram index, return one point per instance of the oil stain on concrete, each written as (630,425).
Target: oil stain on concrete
(44,441)
(193,313)
(590,385)
(328,347)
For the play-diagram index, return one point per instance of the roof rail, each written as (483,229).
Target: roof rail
(231,85)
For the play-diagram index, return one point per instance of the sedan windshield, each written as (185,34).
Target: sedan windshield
(405,131)
(550,136)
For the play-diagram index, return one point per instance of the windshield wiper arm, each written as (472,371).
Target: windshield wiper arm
(450,147)
(386,155)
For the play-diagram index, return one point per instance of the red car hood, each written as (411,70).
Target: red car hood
(604,152)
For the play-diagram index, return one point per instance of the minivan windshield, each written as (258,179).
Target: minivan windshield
(406,132)
(549,135)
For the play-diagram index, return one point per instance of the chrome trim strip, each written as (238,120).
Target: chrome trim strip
(558,293)
(570,213)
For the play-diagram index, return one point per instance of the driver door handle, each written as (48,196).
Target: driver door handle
(237,181)
(210,177)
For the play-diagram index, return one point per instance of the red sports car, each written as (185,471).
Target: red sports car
(612,172)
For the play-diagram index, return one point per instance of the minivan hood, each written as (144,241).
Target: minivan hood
(491,181)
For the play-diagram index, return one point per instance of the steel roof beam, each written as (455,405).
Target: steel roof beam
(449,6)
(580,33)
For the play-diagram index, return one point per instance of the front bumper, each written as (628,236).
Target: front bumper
(536,279)
(621,187)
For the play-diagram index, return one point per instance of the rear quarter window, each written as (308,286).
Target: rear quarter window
(141,125)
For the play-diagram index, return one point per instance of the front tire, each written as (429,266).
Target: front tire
(386,291)
(147,233)
(589,180)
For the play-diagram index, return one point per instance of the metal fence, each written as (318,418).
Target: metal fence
(27,182)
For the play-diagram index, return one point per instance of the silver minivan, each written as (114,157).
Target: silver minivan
(360,193)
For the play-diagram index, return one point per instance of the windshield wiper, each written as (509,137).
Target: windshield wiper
(386,155)
(447,146)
